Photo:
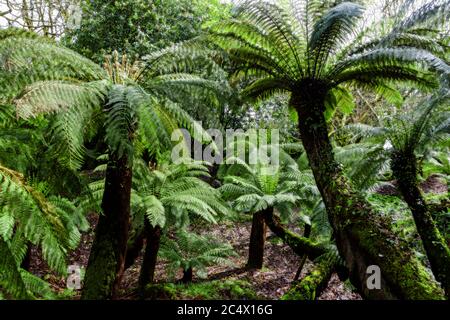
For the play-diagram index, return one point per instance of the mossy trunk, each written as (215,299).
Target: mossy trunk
(363,237)
(257,241)
(312,285)
(153,240)
(300,245)
(404,167)
(107,257)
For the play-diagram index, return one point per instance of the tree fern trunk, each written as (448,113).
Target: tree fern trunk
(153,236)
(107,258)
(134,248)
(363,237)
(187,275)
(257,241)
(312,285)
(405,170)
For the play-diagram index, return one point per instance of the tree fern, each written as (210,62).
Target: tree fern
(187,250)
(28,217)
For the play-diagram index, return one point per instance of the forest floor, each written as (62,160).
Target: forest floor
(271,282)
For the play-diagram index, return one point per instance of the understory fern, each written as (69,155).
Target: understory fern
(187,250)
(28,218)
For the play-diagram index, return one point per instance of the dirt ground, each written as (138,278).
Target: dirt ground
(280,266)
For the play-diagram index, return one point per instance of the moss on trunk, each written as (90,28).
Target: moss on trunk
(297,243)
(404,167)
(312,285)
(107,257)
(363,237)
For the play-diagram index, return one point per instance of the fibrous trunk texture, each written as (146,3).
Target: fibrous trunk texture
(187,275)
(257,241)
(363,237)
(404,167)
(107,257)
(153,240)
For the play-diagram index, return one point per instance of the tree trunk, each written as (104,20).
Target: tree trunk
(405,170)
(257,241)
(153,236)
(297,243)
(306,234)
(187,275)
(107,257)
(312,285)
(363,237)
(134,248)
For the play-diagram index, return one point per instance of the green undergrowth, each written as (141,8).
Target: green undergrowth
(208,290)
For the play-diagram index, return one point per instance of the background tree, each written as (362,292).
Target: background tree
(139,27)
(47,17)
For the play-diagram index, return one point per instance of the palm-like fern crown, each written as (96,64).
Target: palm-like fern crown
(425,126)
(40,76)
(318,48)
(170,192)
(253,188)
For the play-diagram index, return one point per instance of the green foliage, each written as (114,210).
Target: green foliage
(170,194)
(421,132)
(253,188)
(188,250)
(314,43)
(124,99)
(27,217)
(208,290)
(139,27)
(396,208)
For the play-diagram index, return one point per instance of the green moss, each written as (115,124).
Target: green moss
(313,283)
(411,277)
(208,290)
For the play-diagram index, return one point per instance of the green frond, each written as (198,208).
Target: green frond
(25,60)
(55,96)
(26,216)
(265,87)
(189,250)
(330,31)
(121,119)
(393,57)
